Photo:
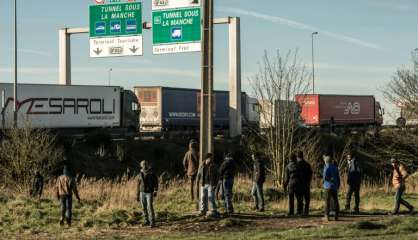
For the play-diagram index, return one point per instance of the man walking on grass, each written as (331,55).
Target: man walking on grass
(227,174)
(306,178)
(190,164)
(292,185)
(399,177)
(207,179)
(331,178)
(259,177)
(65,187)
(146,191)
(37,185)
(354,181)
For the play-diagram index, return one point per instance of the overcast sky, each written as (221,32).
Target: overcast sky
(359,46)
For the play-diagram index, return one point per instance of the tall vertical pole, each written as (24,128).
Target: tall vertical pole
(206,115)
(64,57)
(110,76)
(313,63)
(235,123)
(15,67)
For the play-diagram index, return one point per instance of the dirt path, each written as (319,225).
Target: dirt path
(199,225)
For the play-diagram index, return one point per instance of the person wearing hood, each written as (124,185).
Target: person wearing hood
(306,178)
(331,178)
(146,192)
(190,164)
(37,185)
(354,181)
(292,185)
(66,186)
(259,177)
(227,175)
(207,180)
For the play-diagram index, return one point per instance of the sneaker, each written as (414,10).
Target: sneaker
(201,214)
(411,210)
(326,219)
(61,223)
(260,210)
(152,225)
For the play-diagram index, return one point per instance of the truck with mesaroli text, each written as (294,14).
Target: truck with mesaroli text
(71,109)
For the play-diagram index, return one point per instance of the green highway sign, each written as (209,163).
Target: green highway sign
(176,30)
(116,29)
(118,19)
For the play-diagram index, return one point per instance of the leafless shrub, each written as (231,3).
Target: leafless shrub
(278,80)
(25,150)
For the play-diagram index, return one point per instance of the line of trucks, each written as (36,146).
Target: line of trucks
(79,109)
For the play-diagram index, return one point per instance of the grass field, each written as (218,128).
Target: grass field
(109,211)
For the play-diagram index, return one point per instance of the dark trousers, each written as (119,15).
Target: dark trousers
(399,200)
(331,195)
(257,192)
(66,207)
(303,203)
(292,194)
(353,189)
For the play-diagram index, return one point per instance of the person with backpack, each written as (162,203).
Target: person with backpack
(207,179)
(331,179)
(305,184)
(259,177)
(292,185)
(66,186)
(399,177)
(354,182)
(227,174)
(146,192)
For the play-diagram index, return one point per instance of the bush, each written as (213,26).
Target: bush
(25,150)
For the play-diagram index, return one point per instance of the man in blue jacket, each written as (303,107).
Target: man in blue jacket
(331,178)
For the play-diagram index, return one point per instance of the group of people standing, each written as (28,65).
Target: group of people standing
(212,179)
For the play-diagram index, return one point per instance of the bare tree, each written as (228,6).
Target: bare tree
(25,150)
(275,85)
(402,90)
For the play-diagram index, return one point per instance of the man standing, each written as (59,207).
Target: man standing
(191,163)
(331,178)
(259,177)
(292,185)
(306,178)
(227,174)
(37,185)
(146,191)
(208,180)
(399,177)
(65,187)
(354,183)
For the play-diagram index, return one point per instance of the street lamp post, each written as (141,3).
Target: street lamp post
(313,63)
(110,75)
(15,65)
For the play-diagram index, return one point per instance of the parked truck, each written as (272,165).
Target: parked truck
(165,109)
(339,110)
(75,109)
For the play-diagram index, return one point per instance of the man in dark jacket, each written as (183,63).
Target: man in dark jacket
(259,177)
(208,178)
(227,174)
(305,183)
(331,178)
(147,190)
(66,186)
(37,185)
(354,182)
(292,185)
(191,165)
